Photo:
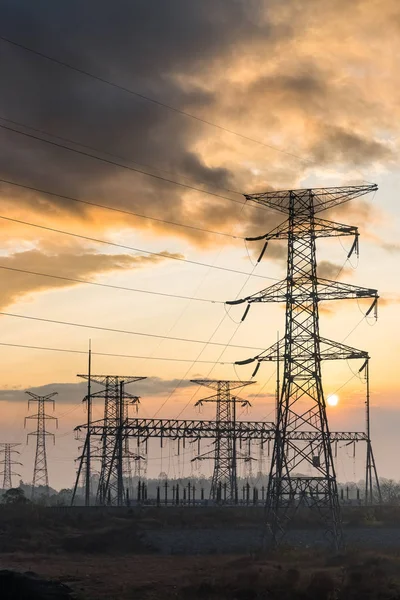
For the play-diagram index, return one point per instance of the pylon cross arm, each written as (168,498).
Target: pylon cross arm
(329,350)
(323,198)
(303,293)
(320,228)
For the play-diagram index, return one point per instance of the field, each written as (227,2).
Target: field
(113,555)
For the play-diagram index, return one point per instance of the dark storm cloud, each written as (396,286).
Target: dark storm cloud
(234,62)
(145,46)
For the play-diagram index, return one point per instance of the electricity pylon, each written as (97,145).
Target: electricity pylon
(303,474)
(40,473)
(225,451)
(8,450)
(115,453)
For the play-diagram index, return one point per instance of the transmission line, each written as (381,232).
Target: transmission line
(119,157)
(125,331)
(117,164)
(99,241)
(120,210)
(108,285)
(109,354)
(153,100)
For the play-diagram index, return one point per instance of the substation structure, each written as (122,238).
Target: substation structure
(113,451)
(302,472)
(228,435)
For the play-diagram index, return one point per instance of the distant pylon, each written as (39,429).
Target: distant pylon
(225,451)
(40,473)
(8,450)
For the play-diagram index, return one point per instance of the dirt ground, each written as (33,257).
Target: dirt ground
(294,576)
(98,555)
(125,577)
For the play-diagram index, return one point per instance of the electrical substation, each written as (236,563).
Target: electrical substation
(301,473)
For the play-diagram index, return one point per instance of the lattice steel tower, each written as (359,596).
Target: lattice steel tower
(40,473)
(8,450)
(115,453)
(303,474)
(225,451)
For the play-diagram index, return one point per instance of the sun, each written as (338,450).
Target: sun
(332,399)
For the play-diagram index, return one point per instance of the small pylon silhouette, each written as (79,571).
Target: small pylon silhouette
(8,450)
(40,473)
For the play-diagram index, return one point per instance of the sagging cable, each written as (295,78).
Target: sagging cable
(363,366)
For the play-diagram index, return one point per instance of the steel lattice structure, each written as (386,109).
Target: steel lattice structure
(301,403)
(115,453)
(225,451)
(40,473)
(173,429)
(8,449)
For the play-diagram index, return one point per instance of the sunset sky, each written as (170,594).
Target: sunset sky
(313,89)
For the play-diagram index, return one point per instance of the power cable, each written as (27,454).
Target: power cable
(114,244)
(120,165)
(228,343)
(125,331)
(152,100)
(119,210)
(109,354)
(202,350)
(119,157)
(107,285)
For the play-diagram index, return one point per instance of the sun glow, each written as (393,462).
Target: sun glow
(332,399)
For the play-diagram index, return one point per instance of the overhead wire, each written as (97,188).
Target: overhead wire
(201,352)
(124,331)
(120,165)
(152,100)
(228,343)
(119,157)
(125,247)
(108,285)
(119,210)
(108,354)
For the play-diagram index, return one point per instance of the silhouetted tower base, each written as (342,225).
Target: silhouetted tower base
(225,451)
(303,474)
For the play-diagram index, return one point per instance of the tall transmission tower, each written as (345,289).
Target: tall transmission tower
(7,450)
(40,473)
(303,474)
(115,454)
(225,450)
